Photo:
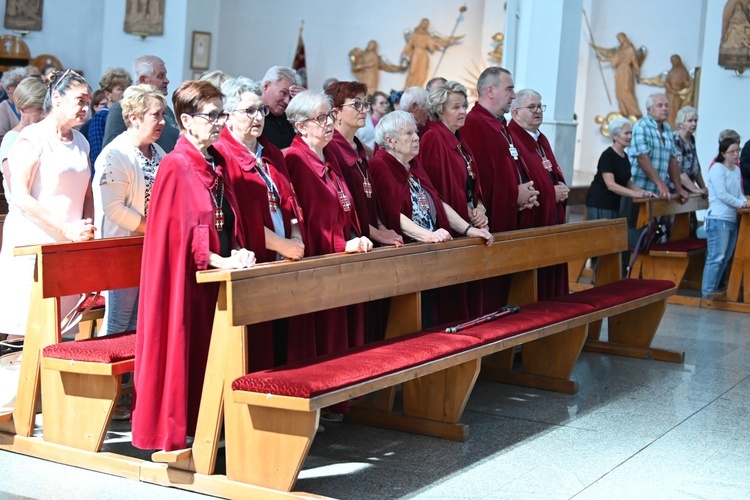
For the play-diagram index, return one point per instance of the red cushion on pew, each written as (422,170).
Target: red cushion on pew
(612,294)
(108,349)
(530,317)
(98,303)
(682,245)
(310,378)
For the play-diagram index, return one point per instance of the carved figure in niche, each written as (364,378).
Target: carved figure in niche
(497,52)
(23,14)
(734,49)
(144,17)
(679,85)
(626,61)
(419,45)
(367,64)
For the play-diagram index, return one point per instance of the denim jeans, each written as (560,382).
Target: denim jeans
(121,312)
(722,237)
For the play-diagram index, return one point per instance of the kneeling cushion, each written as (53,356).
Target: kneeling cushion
(613,294)
(108,349)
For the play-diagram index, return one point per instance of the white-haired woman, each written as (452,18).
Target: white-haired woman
(411,203)
(124,175)
(687,158)
(258,174)
(51,189)
(612,179)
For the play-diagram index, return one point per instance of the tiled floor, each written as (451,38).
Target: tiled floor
(636,429)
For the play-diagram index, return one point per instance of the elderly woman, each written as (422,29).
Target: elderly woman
(684,141)
(258,173)
(411,203)
(191,226)
(114,82)
(331,221)
(123,179)
(449,163)
(9,114)
(541,166)
(612,179)
(725,197)
(29,96)
(51,189)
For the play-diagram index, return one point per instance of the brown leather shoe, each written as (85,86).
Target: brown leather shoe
(722,295)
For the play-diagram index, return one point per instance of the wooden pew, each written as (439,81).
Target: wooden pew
(268,436)
(738,292)
(681,259)
(76,396)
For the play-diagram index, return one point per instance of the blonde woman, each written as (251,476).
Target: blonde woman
(124,175)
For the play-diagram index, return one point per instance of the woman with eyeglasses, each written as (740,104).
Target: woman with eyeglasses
(378,109)
(193,224)
(541,167)
(331,222)
(51,189)
(410,202)
(257,170)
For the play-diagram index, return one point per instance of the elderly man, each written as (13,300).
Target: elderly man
(537,156)
(414,101)
(150,70)
(279,85)
(504,181)
(652,152)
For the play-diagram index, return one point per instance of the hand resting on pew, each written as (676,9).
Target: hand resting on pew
(358,245)
(239,259)
(79,230)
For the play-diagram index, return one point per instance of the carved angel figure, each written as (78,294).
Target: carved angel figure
(419,45)
(367,64)
(679,85)
(626,61)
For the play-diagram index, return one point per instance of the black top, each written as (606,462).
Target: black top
(745,167)
(278,131)
(599,196)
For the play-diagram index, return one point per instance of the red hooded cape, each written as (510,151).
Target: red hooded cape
(175,312)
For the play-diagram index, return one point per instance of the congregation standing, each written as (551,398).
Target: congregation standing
(236,172)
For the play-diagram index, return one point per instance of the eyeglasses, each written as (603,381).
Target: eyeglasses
(536,107)
(359,106)
(253,111)
(214,117)
(322,120)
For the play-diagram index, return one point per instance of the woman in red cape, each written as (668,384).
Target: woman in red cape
(331,220)
(258,174)
(350,104)
(411,203)
(448,161)
(191,227)
(536,152)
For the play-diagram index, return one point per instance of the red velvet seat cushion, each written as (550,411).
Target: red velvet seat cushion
(313,377)
(619,292)
(98,303)
(683,245)
(530,317)
(108,349)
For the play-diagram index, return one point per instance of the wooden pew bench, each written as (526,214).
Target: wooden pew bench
(79,381)
(271,417)
(681,258)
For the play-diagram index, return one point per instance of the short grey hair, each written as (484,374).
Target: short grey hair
(729,134)
(233,90)
(490,77)
(650,100)
(144,66)
(683,114)
(13,77)
(392,125)
(522,97)
(414,95)
(616,126)
(439,95)
(276,73)
(303,106)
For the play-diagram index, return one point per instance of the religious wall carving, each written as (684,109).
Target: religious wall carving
(604,122)
(419,45)
(24,15)
(734,49)
(367,64)
(144,17)
(497,52)
(626,61)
